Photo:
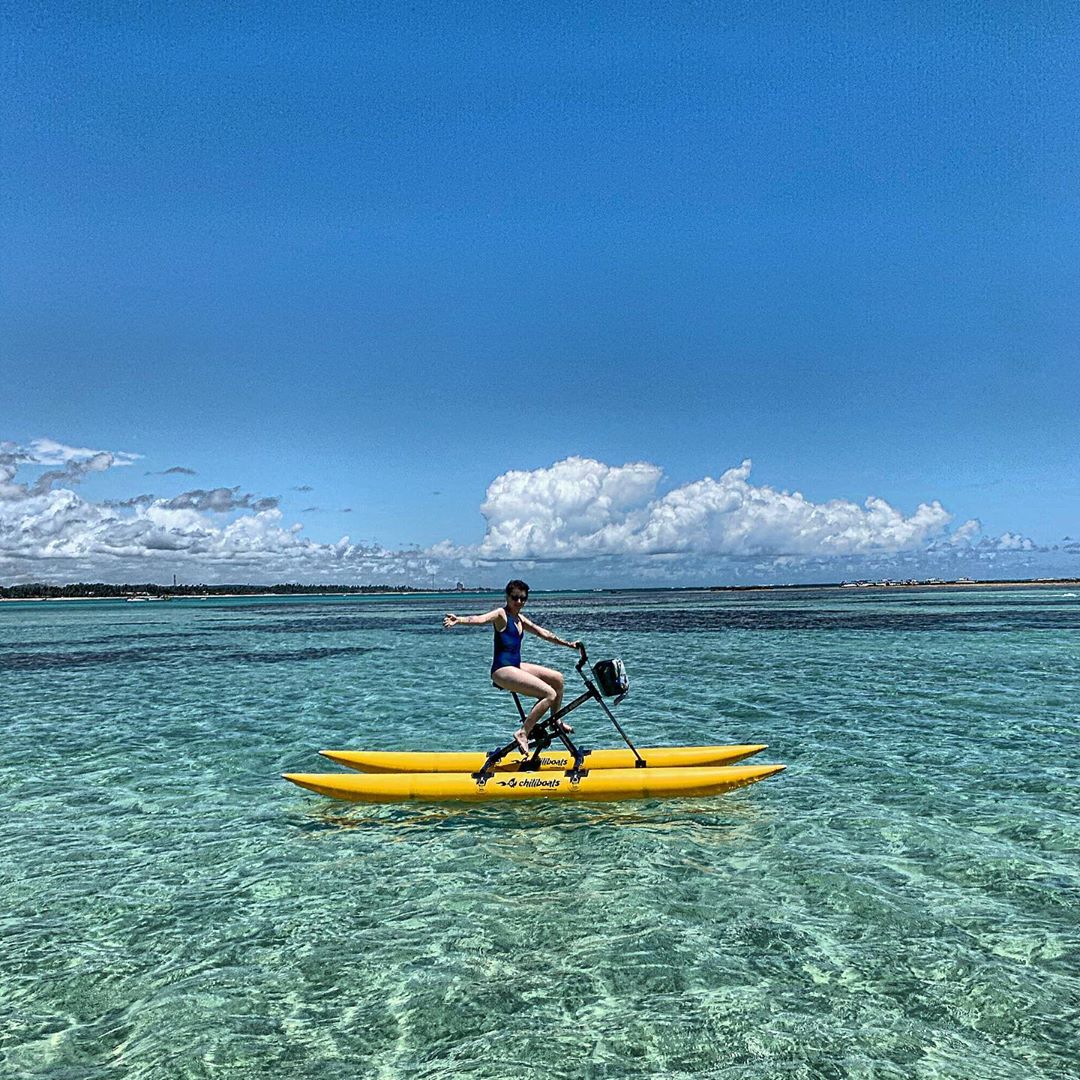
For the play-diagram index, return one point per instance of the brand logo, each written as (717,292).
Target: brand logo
(528,782)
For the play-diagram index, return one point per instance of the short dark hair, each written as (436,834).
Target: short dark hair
(516,584)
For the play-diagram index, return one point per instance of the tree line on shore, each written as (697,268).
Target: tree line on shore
(41,591)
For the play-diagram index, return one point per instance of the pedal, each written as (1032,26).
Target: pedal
(485,771)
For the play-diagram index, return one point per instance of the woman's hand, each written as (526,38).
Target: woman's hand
(450,620)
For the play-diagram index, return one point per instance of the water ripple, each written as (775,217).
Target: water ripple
(902,902)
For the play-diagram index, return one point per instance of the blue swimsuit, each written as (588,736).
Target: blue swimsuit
(507,645)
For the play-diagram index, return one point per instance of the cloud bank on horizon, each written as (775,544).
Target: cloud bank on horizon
(580,508)
(577,522)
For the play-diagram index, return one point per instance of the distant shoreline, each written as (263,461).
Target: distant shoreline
(161,594)
(862,586)
(155,594)
(167,596)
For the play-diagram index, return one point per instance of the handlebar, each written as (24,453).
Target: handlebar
(584,656)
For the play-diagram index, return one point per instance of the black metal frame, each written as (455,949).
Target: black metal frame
(548,730)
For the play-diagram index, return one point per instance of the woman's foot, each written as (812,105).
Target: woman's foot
(522,739)
(564,727)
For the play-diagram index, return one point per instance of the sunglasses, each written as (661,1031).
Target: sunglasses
(518,596)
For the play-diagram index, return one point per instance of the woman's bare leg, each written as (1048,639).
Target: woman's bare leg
(555,680)
(520,681)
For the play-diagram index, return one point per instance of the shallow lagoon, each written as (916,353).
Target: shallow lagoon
(904,901)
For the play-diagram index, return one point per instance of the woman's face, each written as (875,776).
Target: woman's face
(515,601)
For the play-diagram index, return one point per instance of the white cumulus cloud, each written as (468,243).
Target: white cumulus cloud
(51,452)
(576,507)
(75,463)
(579,508)
(219,535)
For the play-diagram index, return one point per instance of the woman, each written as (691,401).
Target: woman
(507,670)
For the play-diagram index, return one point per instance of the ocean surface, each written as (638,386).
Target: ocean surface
(903,901)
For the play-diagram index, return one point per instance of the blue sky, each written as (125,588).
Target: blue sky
(453,268)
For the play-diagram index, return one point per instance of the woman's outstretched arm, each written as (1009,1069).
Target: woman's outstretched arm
(494,615)
(546,635)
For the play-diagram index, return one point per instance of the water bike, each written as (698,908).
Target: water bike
(555,767)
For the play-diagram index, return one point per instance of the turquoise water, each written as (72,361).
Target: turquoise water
(903,901)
